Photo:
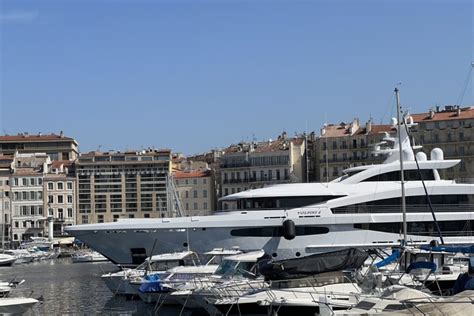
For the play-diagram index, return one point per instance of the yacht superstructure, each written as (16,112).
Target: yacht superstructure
(360,209)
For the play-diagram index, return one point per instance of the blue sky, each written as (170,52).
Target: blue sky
(196,75)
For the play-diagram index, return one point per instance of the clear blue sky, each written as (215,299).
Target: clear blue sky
(195,75)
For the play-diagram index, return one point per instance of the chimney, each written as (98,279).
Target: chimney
(368,126)
(61,134)
(458,111)
(432,113)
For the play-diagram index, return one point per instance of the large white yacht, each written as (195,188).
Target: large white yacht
(360,209)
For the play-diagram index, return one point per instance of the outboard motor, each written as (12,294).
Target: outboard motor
(289,229)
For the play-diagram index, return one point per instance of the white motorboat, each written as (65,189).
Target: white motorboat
(6,260)
(16,305)
(235,276)
(21,255)
(152,289)
(303,296)
(88,256)
(119,282)
(361,209)
(401,300)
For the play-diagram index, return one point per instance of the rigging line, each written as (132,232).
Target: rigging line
(428,199)
(389,107)
(466,84)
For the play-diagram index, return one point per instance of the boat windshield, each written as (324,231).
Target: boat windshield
(233,268)
(164,265)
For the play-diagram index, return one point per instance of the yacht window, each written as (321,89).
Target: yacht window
(448,228)
(410,175)
(418,203)
(365,305)
(283,202)
(277,231)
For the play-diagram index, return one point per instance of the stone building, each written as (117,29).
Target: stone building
(346,145)
(132,184)
(60,195)
(57,147)
(452,130)
(255,165)
(5,202)
(26,181)
(196,191)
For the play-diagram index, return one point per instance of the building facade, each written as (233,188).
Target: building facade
(57,147)
(60,195)
(26,181)
(346,145)
(254,165)
(196,191)
(452,130)
(130,185)
(5,202)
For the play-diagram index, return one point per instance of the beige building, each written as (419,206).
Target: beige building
(196,191)
(60,195)
(255,165)
(58,147)
(5,202)
(452,130)
(26,181)
(129,184)
(346,145)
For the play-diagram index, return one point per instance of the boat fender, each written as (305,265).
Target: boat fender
(289,229)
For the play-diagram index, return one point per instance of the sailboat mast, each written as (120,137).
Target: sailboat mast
(402,173)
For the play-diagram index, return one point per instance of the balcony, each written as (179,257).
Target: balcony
(235,165)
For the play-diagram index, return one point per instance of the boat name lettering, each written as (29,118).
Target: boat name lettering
(309,212)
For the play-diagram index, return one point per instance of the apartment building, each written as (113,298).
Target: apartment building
(57,147)
(5,202)
(449,128)
(60,195)
(196,191)
(113,185)
(255,165)
(26,182)
(346,145)
(452,129)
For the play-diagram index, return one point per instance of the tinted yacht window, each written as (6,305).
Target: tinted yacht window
(410,175)
(283,202)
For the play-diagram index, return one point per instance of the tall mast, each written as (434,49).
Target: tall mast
(402,173)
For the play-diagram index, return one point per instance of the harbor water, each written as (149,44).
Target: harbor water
(74,289)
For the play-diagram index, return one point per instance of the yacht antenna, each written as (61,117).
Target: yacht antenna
(402,175)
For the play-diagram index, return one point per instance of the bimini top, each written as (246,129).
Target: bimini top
(223,252)
(252,256)
(174,256)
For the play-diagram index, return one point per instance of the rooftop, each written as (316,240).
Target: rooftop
(26,137)
(192,174)
(449,113)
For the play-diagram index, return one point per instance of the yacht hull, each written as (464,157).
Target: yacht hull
(119,241)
